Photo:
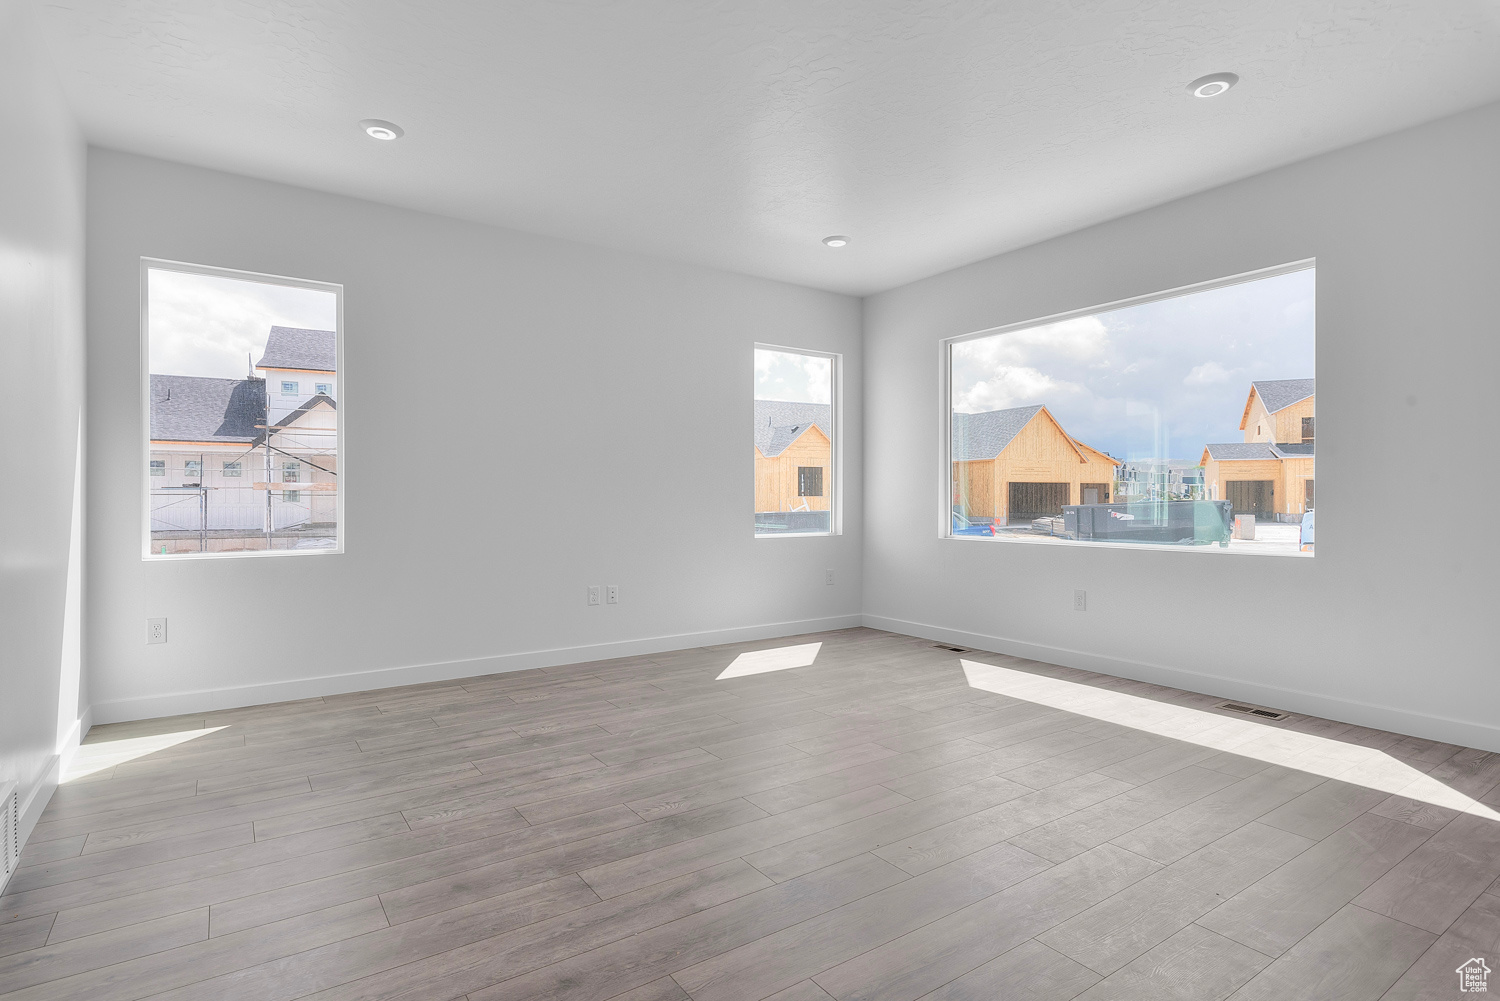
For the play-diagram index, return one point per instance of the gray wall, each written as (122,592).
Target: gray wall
(41,361)
(1393,622)
(577,416)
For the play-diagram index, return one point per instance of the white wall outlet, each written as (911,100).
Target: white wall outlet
(828,577)
(593,594)
(1080,601)
(156,630)
(612,594)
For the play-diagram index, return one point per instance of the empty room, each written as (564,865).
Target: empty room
(749,501)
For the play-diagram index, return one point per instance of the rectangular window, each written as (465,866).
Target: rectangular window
(326,388)
(1149,422)
(199,323)
(1307,494)
(796,442)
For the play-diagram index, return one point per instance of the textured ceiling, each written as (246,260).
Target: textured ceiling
(738,134)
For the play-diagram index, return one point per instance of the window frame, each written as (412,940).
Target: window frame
(149,264)
(945,411)
(296,387)
(832,489)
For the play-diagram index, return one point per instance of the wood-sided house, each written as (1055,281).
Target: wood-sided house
(793,456)
(1018,464)
(1270,473)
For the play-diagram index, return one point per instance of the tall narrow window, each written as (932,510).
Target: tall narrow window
(227,355)
(1153,422)
(796,442)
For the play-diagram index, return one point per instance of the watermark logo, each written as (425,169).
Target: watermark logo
(1473,977)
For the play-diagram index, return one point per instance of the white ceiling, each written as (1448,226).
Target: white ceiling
(738,134)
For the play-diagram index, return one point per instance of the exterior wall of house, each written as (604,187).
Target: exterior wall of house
(1041,453)
(1289,420)
(1259,425)
(776,477)
(1288,475)
(1285,425)
(307,384)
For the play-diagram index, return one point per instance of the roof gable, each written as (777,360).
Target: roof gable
(1276,394)
(300,348)
(778,423)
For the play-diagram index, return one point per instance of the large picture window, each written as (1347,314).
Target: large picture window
(244,454)
(795,442)
(1180,420)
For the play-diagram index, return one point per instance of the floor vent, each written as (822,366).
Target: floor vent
(951,649)
(10,800)
(1262,712)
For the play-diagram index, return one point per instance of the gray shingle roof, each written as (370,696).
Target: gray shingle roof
(1240,450)
(1259,450)
(192,408)
(1278,394)
(300,347)
(778,424)
(984,436)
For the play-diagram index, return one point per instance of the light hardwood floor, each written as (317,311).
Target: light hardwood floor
(895,821)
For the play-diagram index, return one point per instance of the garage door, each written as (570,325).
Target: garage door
(1255,497)
(1036,500)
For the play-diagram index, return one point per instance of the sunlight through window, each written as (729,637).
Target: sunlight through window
(781,658)
(91,758)
(1305,752)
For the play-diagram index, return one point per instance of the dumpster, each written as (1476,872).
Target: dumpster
(1182,523)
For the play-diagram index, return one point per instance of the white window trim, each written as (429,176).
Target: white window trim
(834,490)
(945,411)
(149,264)
(295,391)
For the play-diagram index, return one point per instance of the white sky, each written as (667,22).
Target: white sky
(1158,380)
(206,325)
(792,378)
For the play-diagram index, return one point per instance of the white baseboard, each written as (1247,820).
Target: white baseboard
(213,699)
(40,795)
(1466,733)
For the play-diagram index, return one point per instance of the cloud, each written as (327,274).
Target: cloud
(1156,379)
(207,325)
(1206,374)
(792,377)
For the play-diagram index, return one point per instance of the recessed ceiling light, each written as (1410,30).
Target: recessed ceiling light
(386,131)
(1212,85)
(835,241)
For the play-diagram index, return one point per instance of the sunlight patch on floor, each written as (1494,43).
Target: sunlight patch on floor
(1306,752)
(780,658)
(91,758)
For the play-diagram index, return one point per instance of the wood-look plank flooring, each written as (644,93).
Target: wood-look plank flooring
(872,826)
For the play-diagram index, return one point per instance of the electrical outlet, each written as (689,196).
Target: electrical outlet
(828,577)
(593,594)
(612,594)
(1080,601)
(156,630)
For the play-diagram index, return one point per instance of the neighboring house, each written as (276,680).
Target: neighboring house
(1270,473)
(238,455)
(1019,464)
(793,456)
(1158,479)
